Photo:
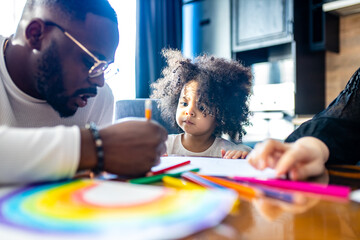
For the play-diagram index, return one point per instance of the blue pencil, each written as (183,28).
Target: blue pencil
(201,181)
(276,194)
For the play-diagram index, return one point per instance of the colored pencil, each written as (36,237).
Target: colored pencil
(241,189)
(192,177)
(148,109)
(168,168)
(158,178)
(332,190)
(180,183)
(253,191)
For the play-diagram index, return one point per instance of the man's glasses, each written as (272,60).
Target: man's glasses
(99,66)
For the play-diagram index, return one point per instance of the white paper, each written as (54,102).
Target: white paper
(215,166)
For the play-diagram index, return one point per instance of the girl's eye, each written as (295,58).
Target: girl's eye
(202,108)
(184,104)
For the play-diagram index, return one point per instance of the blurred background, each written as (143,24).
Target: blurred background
(301,52)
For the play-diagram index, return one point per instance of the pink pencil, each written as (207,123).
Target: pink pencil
(161,171)
(333,190)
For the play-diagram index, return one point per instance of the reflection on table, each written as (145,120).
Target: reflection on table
(315,218)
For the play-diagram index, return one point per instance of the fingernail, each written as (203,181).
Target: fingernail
(261,164)
(278,173)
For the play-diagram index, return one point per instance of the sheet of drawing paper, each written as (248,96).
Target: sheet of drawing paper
(96,209)
(215,166)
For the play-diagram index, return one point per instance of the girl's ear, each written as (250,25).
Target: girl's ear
(34,33)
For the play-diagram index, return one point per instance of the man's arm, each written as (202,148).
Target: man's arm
(131,148)
(42,154)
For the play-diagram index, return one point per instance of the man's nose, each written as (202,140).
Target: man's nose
(98,81)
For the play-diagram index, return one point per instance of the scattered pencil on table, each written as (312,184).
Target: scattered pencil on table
(332,190)
(161,171)
(180,183)
(158,178)
(192,177)
(148,109)
(256,191)
(241,189)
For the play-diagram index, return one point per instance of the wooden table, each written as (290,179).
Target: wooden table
(272,219)
(313,218)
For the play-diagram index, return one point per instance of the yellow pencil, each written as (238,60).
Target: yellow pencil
(148,109)
(180,183)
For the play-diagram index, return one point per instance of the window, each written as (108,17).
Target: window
(123,84)
(10,13)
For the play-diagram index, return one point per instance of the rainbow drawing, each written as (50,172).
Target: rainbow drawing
(96,209)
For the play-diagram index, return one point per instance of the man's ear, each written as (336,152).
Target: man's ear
(34,33)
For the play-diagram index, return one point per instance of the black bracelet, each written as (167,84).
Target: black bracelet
(98,146)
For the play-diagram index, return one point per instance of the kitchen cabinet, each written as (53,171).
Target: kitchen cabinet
(291,44)
(261,23)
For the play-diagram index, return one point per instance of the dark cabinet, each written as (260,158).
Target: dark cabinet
(268,41)
(261,23)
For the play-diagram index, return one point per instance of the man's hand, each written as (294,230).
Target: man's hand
(131,147)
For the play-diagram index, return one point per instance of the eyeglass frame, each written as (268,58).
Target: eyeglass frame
(97,61)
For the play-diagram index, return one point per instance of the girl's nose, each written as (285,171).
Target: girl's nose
(190,109)
(190,112)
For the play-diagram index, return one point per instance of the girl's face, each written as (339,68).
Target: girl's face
(189,118)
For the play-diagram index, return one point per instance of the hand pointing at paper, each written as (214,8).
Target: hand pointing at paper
(302,159)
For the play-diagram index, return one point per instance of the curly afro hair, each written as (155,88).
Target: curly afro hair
(224,89)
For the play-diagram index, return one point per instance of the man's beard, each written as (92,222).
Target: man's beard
(49,81)
(50,84)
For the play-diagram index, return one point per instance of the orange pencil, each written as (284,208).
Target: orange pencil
(148,109)
(241,189)
(257,191)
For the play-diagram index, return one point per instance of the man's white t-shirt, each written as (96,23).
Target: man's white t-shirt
(42,151)
(175,147)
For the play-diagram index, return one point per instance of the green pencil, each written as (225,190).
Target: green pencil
(158,178)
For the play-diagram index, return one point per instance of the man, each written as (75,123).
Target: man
(52,73)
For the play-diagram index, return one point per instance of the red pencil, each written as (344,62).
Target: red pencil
(168,168)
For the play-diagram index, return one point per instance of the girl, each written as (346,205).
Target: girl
(205,98)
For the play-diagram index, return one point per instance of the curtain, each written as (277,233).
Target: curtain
(158,26)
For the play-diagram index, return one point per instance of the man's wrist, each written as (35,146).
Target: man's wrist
(99,167)
(88,157)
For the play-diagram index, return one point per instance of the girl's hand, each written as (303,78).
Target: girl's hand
(302,159)
(233,154)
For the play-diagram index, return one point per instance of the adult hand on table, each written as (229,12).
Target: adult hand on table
(302,159)
(131,147)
